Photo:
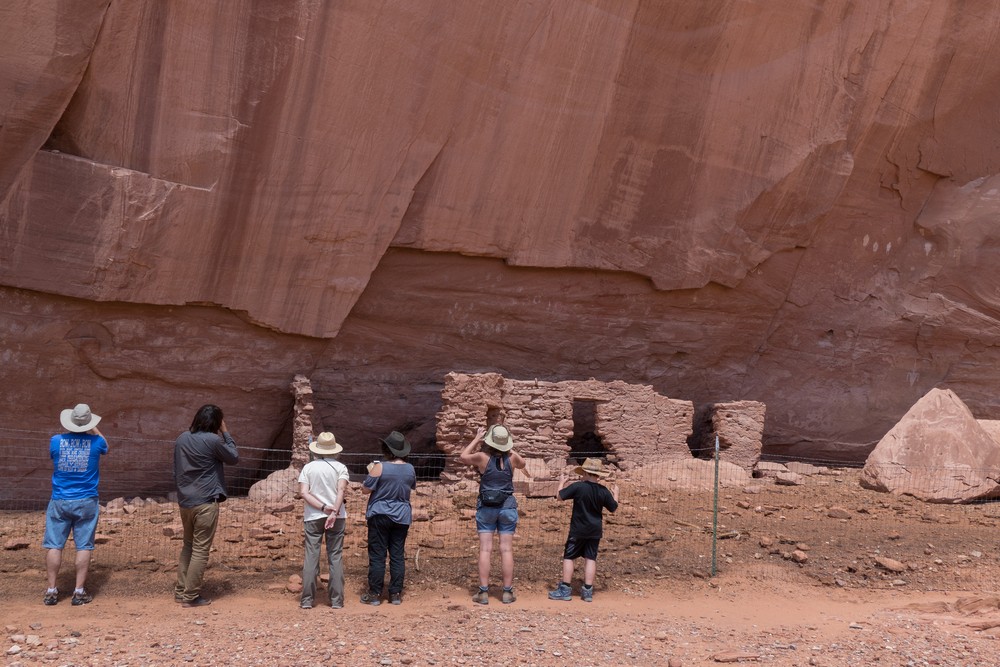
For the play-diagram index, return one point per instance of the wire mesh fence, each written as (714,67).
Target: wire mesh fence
(677,519)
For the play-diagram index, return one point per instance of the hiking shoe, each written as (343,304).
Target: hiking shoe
(81,598)
(306,604)
(197,602)
(369,598)
(50,598)
(481,597)
(396,598)
(562,592)
(586,594)
(508,596)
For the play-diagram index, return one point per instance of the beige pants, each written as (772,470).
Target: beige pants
(199,531)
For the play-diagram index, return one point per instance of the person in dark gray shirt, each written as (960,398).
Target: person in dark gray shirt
(199,454)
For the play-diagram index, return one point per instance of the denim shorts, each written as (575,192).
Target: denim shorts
(496,519)
(64,516)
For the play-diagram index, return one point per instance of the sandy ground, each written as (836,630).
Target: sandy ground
(726,620)
(887,581)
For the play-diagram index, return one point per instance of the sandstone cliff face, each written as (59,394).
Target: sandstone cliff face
(782,202)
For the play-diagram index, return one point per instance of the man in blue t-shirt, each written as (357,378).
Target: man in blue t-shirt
(76,458)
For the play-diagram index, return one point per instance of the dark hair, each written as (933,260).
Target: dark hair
(207,420)
(388,455)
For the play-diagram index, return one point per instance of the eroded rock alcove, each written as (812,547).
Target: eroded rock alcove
(198,201)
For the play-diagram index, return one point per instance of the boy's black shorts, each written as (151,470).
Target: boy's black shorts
(585,547)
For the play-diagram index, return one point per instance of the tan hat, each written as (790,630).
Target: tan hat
(498,437)
(591,467)
(79,419)
(325,445)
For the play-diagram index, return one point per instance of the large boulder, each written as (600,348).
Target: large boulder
(937,452)
(279,486)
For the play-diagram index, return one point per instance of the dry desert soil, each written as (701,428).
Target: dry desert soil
(879,580)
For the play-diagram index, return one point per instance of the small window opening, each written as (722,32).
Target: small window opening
(493,416)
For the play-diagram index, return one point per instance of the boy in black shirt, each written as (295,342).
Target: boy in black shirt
(590,498)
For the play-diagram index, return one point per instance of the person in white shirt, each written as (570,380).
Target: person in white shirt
(323,485)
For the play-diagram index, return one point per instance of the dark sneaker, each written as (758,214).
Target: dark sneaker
(306,604)
(368,598)
(508,596)
(50,598)
(82,598)
(197,602)
(481,597)
(396,598)
(562,592)
(586,594)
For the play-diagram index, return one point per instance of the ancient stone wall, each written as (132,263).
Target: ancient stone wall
(466,400)
(739,426)
(302,426)
(635,424)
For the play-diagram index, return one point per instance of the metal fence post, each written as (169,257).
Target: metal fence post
(715,510)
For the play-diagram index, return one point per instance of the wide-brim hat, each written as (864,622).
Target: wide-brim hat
(592,467)
(79,419)
(498,437)
(325,445)
(397,444)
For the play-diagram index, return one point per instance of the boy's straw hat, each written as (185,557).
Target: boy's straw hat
(592,467)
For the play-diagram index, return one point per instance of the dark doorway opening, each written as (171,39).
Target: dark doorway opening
(585,442)
(701,442)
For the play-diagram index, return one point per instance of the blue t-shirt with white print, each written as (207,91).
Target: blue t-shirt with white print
(76,458)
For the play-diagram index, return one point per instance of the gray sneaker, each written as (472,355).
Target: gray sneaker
(508,596)
(562,592)
(586,594)
(370,598)
(82,598)
(481,597)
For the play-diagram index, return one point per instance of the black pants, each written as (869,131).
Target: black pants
(385,536)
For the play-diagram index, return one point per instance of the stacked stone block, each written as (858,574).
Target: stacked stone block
(739,426)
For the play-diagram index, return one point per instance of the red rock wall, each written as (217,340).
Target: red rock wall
(782,202)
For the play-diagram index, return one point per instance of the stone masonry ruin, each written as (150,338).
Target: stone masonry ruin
(633,424)
(739,425)
(556,424)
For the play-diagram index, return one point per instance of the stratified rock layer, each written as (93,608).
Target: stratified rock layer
(783,202)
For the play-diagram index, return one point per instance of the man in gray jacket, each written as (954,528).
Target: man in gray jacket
(199,454)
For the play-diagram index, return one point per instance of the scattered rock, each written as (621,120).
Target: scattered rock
(890,564)
(735,656)
(789,479)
